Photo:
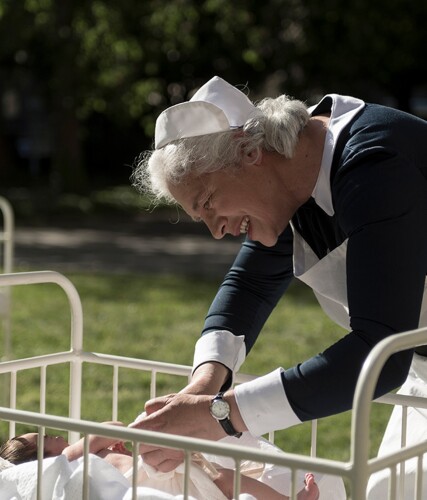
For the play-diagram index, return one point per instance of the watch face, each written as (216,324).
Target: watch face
(220,409)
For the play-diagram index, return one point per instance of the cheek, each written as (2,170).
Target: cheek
(60,446)
(55,446)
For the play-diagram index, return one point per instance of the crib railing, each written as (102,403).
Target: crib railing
(76,341)
(6,265)
(76,356)
(188,445)
(360,464)
(356,471)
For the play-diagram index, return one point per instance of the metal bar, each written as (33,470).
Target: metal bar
(135,455)
(37,277)
(403,432)
(367,381)
(419,478)
(40,455)
(392,485)
(187,467)
(115,392)
(85,490)
(7,238)
(43,389)
(293,491)
(8,234)
(153,383)
(237,479)
(37,361)
(313,448)
(12,402)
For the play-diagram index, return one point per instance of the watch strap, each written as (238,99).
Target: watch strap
(228,427)
(226,422)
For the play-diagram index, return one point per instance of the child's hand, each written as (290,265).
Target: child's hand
(119,447)
(115,422)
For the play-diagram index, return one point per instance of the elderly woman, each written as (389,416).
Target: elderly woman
(335,195)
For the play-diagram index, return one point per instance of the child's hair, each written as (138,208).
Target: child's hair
(18,450)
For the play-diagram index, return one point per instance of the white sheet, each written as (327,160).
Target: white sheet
(200,484)
(279,478)
(62,480)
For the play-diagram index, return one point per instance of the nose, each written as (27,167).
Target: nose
(217,226)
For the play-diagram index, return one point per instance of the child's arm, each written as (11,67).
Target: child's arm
(96,444)
(225,483)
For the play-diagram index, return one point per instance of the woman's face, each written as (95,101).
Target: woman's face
(53,445)
(246,201)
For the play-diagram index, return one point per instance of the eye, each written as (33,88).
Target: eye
(207,204)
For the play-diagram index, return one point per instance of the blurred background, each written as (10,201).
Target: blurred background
(82,82)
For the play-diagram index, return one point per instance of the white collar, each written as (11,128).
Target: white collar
(343,110)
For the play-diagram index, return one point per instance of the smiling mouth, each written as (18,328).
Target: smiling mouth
(244,226)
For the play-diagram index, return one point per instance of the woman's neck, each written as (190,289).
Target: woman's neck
(308,155)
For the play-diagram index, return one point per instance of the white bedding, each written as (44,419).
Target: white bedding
(279,478)
(62,480)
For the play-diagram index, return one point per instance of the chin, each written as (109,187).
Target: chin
(267,242)
(266,238)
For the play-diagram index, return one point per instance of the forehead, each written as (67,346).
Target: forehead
(31,437)
(189,191)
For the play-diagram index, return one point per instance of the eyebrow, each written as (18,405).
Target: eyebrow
(195,206)
(196,202)
(201,192)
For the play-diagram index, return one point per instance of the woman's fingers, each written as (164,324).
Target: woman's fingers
(153,405)
(162,459)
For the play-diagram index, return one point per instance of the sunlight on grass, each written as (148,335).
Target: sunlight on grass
(159,318)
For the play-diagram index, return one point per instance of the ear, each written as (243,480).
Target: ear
(253,157)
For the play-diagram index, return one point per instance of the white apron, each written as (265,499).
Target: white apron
(327,278)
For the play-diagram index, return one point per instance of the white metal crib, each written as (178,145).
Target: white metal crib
(356,471)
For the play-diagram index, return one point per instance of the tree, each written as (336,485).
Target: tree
(115,65)
(376,49)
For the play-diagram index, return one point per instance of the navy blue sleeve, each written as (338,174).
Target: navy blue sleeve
(380,199)
(251,289)
(381,204)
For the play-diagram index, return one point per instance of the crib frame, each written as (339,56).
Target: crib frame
(356,471)
(7,236)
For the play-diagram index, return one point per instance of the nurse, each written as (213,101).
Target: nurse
(334,195)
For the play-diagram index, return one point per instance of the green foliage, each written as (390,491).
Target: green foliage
(371,49)
(127,61)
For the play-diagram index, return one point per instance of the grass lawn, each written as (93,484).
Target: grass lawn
(159,318)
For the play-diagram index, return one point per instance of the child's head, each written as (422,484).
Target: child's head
(23,448)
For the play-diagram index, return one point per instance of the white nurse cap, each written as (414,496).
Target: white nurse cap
(216,107)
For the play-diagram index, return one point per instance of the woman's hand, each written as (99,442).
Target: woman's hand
(182,414)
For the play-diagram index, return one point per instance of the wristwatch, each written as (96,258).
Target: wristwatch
(220,410)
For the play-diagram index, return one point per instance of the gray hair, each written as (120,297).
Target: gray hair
(277,128)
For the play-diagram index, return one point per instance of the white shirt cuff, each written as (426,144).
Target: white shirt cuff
(263,404)
(223,347)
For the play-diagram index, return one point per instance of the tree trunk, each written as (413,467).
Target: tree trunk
(68,169)
(68,172)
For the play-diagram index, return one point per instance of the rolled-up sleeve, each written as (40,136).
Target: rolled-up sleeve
(220,346)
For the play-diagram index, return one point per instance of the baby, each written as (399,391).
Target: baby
(23,448)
